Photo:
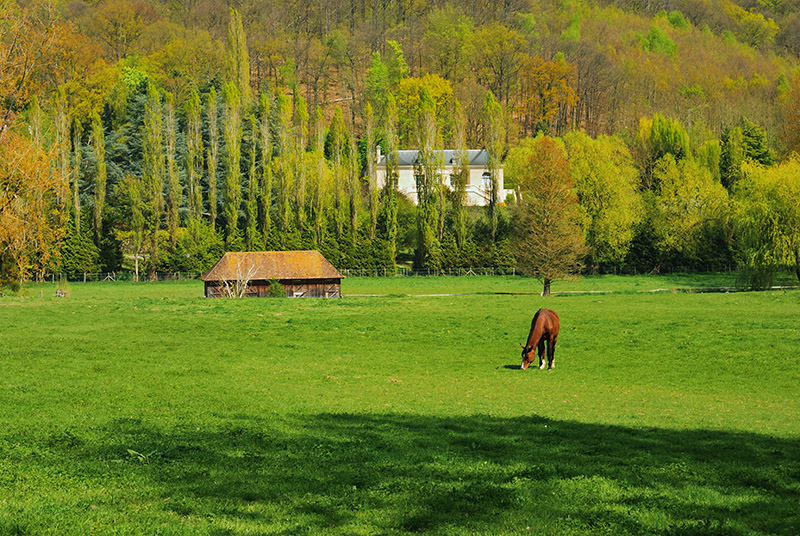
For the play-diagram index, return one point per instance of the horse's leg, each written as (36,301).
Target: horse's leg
(551,353)
(541,354)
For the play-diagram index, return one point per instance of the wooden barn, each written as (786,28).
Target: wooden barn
(303,274)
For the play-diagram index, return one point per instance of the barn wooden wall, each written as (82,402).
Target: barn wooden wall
(302,288)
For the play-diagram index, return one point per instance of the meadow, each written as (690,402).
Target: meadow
(144,408)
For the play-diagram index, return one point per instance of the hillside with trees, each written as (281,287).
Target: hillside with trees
(155,135)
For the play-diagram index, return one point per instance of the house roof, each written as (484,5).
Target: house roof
(259,265)
(477,157)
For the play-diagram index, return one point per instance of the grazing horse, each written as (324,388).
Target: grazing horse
(544,327)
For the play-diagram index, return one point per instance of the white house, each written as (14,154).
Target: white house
(478,187)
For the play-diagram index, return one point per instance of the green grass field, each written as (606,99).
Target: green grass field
(145,409)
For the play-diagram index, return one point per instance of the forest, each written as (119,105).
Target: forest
(154,135)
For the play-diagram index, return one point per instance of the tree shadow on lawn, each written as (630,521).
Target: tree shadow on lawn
(408,473)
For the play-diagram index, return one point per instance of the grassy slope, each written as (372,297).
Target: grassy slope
(142,409)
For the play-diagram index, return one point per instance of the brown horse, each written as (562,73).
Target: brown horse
(544,327)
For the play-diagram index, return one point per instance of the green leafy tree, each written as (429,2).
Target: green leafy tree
(657,138)
(446,41)
(497,52)
(688,205)
(606,183)
(547,238)
(744,142)
(767,219)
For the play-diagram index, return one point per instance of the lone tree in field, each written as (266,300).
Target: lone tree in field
(547,241)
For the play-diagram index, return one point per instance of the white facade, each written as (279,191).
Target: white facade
(478,187)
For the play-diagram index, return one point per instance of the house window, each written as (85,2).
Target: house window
(487,181)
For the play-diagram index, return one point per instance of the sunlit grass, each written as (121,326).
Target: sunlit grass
(144,408)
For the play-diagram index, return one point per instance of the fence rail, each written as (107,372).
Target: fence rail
(354,272)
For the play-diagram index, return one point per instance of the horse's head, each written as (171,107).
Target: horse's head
(526,352)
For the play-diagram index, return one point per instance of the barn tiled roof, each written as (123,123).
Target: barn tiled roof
(260,265)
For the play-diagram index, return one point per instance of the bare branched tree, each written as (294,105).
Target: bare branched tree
(237,286)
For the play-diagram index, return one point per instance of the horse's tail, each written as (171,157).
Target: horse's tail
(533,322)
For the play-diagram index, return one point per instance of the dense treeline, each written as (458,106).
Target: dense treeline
(164,133)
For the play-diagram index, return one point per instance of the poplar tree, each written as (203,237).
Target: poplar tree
(232,132)
(153,169)
(389,200)
(426,174)
(301,142)
(238,61)
(251,205)
(265,197)
(337,150)
(77,131)
(353,190)
(460,176)
(131,187)
(194,160)
(174,192)
(212,155)
(371,178)
(493,137)
(100,177)
(318,186)
(61,121)
(285,156)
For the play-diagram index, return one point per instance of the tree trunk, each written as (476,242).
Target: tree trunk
(797,263)
(546,289)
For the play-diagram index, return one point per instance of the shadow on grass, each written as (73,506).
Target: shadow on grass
(406,473)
